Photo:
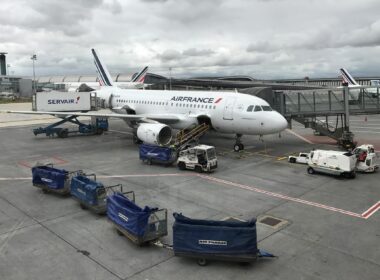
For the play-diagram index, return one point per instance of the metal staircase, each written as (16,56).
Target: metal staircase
(185,136)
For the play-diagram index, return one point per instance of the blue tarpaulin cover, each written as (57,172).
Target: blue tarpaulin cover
(51,177)
(214,237)
(127,214)
(155,152)
(85,189)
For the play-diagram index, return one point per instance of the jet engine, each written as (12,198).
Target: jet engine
(154,133)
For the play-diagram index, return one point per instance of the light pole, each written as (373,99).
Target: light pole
(34,58)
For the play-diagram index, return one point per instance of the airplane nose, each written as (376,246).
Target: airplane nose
(282,123)
(278,123)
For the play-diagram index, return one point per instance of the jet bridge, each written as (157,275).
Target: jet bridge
(327,110)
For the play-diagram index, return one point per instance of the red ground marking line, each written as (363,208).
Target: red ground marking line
(59,160)
(372,210)
(55,158)
(299,136)
(25,164)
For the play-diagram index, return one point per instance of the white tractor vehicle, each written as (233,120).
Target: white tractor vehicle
(201,158)
(366,158)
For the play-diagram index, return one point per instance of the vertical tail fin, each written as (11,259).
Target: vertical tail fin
(140,77)
(348,78)
(104,75)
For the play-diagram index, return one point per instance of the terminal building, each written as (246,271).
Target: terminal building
(23,86)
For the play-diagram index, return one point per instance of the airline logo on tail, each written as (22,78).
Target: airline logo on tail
(104,76)
(140,77)
(347,78)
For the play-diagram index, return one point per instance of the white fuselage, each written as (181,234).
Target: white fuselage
(227,111)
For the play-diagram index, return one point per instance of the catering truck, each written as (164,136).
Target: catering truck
(59,101)
(332,162)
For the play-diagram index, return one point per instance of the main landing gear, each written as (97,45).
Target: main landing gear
(238,145)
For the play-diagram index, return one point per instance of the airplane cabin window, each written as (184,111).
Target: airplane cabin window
(257,108)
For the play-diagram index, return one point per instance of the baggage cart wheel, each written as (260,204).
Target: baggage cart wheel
(149,161)
(310,170)
(99,131)
(292,160)
(45,191)
(119,232)
(202,262)
(63,133)
(84,207)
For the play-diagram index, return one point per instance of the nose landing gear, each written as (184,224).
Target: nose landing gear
(238,145)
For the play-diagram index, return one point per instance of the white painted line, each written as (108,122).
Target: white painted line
(299,136)
(365,215)
(15,178)
(366,131)
(144,175)
(122,132)
(277,195)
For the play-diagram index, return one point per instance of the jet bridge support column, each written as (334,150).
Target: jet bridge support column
(347,139)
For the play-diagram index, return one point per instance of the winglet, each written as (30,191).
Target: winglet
(104,75)
(347,77)
(140,77)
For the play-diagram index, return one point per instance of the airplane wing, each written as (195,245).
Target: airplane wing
(163,118)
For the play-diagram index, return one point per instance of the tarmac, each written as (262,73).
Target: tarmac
(330,227)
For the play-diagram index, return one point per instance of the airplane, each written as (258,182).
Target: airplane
(154,113)
(355,87)
(136,83)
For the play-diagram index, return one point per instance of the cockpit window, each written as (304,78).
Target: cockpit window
(250,108)
(257,108)
(266,108)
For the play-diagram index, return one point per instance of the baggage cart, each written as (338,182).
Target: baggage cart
(140,225)
(157,154)
(91,194)
(216,240)
(51,179)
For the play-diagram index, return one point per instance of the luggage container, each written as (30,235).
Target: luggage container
(59,101)
(216,240)
(91,194)
(51,179)
(140,225)
(157,154)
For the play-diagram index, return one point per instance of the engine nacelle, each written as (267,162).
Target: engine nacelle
(154,133)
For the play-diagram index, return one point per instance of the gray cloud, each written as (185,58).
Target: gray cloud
(262,38)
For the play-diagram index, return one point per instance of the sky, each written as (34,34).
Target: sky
(264,39)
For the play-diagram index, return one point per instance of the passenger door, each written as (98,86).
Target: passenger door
(228,113)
